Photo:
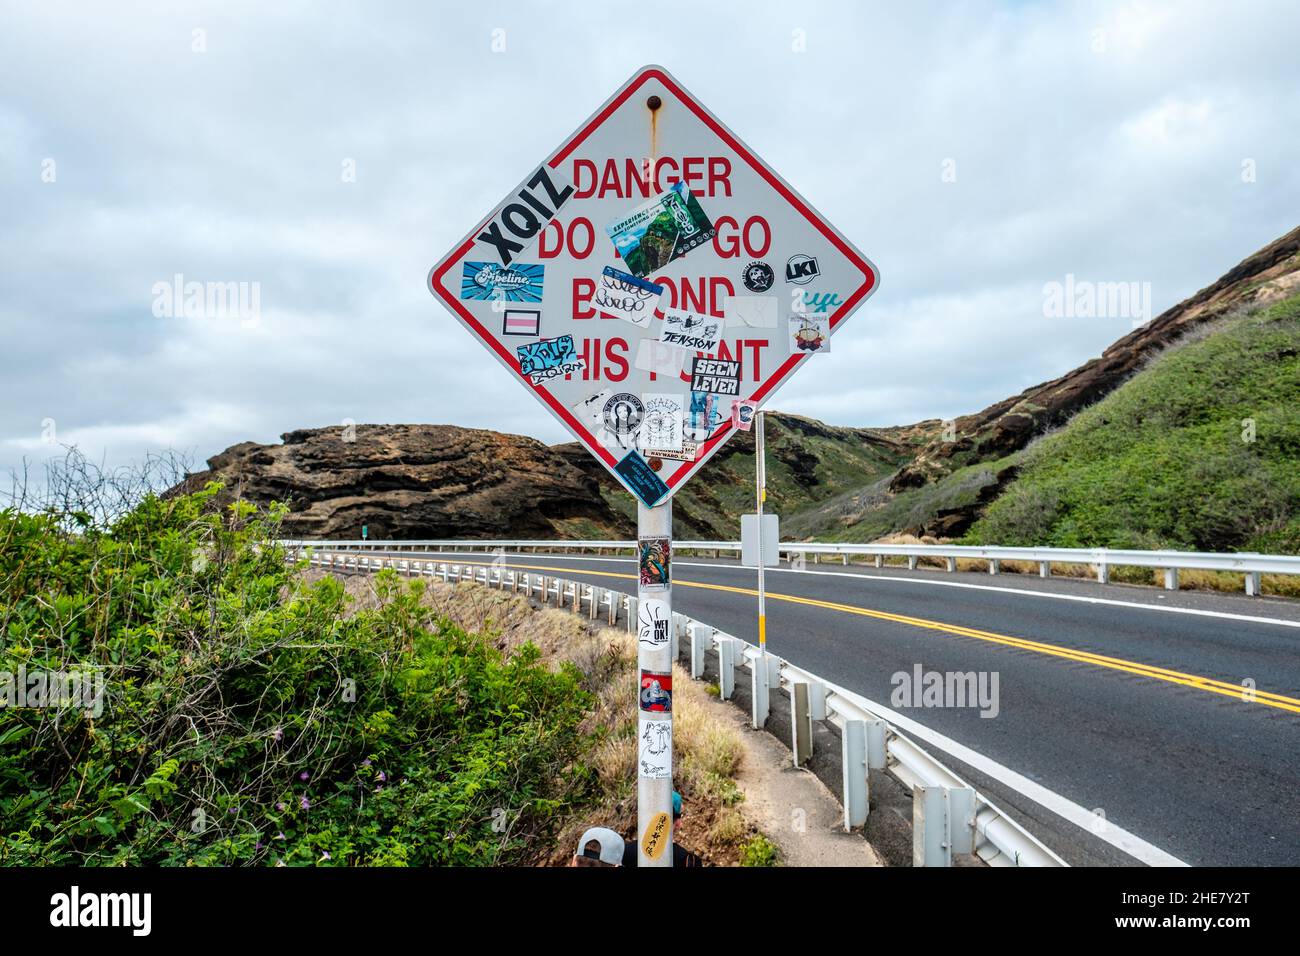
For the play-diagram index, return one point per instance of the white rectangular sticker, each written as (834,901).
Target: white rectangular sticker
(655,751)
(809,334)
(662,425)
(627,297)
(654,356)
(752,311)
(691,330)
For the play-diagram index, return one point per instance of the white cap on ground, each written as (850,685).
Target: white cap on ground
(611,844)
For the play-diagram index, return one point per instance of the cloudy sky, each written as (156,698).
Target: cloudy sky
(975,151)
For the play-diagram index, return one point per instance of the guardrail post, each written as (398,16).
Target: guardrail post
(951,563)
(760,707)
(1044,569)
(726,668)
(853,754)
(1252,584)
(880,560)
(680,623)
(844,559)
(961,819)
(800,724)
(701,638)
(911,562)
(1103,573)
(591,603)
(1171,579)
(994,565)
(930,846)
(629,602)
(816,700)
(877,739)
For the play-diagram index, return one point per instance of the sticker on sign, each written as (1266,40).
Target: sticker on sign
(610,254)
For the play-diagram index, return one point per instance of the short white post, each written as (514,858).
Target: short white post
(853,760)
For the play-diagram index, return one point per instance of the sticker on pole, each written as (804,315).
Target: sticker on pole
(656,747)
(647,275)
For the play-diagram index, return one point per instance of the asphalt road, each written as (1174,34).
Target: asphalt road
(1200,770)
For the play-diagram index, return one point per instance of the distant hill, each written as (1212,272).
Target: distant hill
(1137,451)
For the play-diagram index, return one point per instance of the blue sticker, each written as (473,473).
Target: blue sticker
(549,358)
(641,478)
(516,283)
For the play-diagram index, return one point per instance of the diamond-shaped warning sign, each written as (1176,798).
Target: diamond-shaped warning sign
(652,282)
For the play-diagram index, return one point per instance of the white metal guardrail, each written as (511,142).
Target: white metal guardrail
(1102,560)
(948,815)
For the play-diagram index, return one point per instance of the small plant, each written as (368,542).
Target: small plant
(759,851)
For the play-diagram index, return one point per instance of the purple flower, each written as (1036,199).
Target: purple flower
(324,856)
(279,836)
(382,776)
(280,807)
(366,762)
(304,775)
(305,803)
(278,734)
(259,845)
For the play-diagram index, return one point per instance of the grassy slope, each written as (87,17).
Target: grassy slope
(1164,461)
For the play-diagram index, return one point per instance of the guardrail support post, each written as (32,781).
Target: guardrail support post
(816,700)
(994,565)
(853,753)
(800,724)
(911,562)
(845,559)
(760,707)
(1171,579)
(680,623)
(930,846)
(701,637)
(951,563)
(1103,573)
(880,560)
(629,602)
(877,739)
(1252,584)
(961,819)
(1044,569)
(726,668)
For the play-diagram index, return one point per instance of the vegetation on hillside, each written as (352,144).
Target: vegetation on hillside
(1200,450)
(246,719)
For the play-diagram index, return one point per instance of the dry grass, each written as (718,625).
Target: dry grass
(1280,585)
(706,752)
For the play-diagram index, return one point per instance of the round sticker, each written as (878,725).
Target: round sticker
(623,413)
(758,276)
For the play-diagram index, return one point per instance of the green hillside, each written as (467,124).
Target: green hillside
(1200,450)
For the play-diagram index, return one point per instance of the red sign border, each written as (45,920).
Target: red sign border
(638,80)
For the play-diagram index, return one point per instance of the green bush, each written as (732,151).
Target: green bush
(1199,451)
(759,851)
(249,719)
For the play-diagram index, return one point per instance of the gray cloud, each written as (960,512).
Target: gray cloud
(1115,164)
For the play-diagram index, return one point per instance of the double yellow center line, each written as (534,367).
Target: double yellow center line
(1209,684)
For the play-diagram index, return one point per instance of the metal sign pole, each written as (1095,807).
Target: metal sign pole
(761,482)
(655,668)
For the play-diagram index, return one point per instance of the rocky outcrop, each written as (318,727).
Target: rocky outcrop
(416,481)
(1270,274)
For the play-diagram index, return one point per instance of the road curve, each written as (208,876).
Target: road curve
(1129,701)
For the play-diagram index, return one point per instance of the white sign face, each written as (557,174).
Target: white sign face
(602,276)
